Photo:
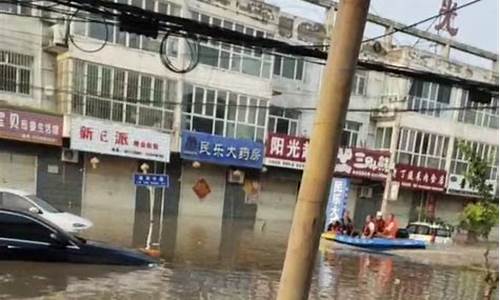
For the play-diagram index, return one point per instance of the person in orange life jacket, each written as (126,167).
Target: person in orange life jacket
(391,227)
(369,229)
(380,223)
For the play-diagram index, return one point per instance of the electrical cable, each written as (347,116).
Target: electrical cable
(193,52)
(70,36)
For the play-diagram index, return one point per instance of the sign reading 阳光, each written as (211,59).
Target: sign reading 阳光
(119,139)
(216,149)
(291,152)
(337,199)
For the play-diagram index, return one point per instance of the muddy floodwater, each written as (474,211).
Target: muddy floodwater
(243,262)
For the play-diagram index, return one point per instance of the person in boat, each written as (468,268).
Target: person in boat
(370,228)
(391,227)
(347,225)
(380,223)
(335,227)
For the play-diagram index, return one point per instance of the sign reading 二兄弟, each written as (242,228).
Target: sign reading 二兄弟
(30,127)
(221,150)
(152,180)
(290,152)
(337,200)
(420,178)
(104,137)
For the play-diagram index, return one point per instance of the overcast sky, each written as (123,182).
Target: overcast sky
(477,23)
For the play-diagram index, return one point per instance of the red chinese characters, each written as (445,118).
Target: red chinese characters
(420,178)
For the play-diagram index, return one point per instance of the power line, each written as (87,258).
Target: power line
(134,101)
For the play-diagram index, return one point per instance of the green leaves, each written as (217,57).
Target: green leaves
(481,216)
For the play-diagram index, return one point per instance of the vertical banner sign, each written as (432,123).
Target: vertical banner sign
(337,200)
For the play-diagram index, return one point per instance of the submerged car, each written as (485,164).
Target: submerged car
(28,237)
(428,232)
(23,201)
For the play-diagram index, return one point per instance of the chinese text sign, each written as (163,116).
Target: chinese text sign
(420,178)
(119,139)
(220,150)
(337,200)
(30,127)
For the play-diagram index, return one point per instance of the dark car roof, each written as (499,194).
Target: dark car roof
(43,221)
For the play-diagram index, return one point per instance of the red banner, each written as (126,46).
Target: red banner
(420,178)
(30,127)
(290,152)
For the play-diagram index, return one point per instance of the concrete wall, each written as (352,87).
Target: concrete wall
(109,198)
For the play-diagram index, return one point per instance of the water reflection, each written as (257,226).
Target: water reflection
(237,260)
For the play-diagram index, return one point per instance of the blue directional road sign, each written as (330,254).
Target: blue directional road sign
(154,180)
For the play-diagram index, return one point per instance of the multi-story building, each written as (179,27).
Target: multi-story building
(84,105)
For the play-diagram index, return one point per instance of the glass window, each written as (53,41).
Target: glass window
(283,120)
(288,67)
(14,202)
(15,72)
(240,117)
(18,227)
(97,30)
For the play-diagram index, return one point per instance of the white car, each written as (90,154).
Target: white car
(425,231)
(27,202)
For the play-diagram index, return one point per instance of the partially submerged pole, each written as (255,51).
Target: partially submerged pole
(330,115)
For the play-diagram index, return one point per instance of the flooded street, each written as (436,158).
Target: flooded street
(244,263)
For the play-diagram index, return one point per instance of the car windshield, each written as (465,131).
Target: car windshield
(44,205)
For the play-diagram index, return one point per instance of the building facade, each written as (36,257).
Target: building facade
(231,134)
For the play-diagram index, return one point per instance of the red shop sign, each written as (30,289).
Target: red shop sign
(30,127)
(290,152)
(420,178)
(363,163)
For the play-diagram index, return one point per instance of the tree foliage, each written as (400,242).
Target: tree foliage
(480,217)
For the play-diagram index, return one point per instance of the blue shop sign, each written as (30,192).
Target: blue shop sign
(337,200)
(216,149)
(154,180)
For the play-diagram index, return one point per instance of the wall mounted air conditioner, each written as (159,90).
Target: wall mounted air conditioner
(68,155)
(386,110)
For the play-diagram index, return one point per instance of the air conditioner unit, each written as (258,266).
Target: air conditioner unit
(366,192)
(236,176)
(68,155)
(386,110)
(56,42)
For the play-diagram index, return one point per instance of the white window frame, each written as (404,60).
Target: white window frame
(428,104)
(141,111)
(487,151)
(359,83)
(437,147)
(296,76)
(240,119)
(352,128)
(385,140)
(20,62)
(274,118)
(481,117)
(235,53)
(114,32)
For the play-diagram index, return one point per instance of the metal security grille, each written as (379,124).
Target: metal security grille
(15,72)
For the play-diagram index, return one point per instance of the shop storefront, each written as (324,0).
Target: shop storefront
(366,169)
(30,158)
(220,180)
(112,153)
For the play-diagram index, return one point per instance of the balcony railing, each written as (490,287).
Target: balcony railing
(123,111)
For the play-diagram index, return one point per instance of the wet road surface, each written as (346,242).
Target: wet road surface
(244,262)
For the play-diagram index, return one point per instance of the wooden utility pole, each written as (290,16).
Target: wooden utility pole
(330,115)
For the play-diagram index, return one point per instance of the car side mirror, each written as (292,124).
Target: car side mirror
(35,210)
(58,241)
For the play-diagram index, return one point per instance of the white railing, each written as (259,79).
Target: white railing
(123,111)
(428,107)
